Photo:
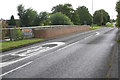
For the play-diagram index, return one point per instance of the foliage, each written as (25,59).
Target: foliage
(12,44)
(109,25)
(12,21)
(95,27)
(42,19)
(66,9)
(101,17)
(84,15)
(118,20)
(118,7)
(60,19)
(75,18)
(118,10)
(4,33)
(29,17)
(21,12)
(16,34)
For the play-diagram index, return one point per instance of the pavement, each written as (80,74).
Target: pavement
(89,54)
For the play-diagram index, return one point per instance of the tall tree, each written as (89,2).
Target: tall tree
(118,10)
(42,19)
(75,18)
(60,19)
(27,16)
(12,21)
(84,15)
(21,12)
(101,17)
(66,9)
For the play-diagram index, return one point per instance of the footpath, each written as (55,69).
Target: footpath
(114,65)
(119,54)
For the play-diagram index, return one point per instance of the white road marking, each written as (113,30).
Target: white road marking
(34,53)
(97,33)
(88,37)
(16,69)
(66,46)
(9,63)
(40,46)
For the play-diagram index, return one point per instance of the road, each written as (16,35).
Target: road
(79,55)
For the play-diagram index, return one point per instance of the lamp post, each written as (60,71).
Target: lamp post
(92,12)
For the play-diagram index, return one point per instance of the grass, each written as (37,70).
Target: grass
(13,44)
(118,40)
(95,27)
(109,25)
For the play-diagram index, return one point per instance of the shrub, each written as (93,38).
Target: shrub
(16,34)
(60,19)
(109,24)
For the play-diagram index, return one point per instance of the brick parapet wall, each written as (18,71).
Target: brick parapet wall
(58,31)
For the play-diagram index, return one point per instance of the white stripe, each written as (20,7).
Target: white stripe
(34,53)
(16,69)
(42,44)
(65,47)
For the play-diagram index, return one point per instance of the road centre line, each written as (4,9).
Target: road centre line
(16,69)
(66,46)
(43,56)
(44,51)
(39,46)
(12,62)
(41,52)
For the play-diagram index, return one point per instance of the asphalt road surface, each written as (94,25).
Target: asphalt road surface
(79,55)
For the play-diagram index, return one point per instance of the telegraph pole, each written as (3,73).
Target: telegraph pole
(92,12)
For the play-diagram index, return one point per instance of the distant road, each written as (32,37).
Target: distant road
(79,55)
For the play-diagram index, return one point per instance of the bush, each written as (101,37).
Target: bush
(3,34)
(109,24)
(16,34)
(60,19)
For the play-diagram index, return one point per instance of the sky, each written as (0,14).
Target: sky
(9,7)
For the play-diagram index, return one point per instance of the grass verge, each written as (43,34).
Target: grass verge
(95,27)
(109,25)
(118,40)
(13,44)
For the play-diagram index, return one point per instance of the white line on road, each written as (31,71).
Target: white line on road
(40,46)
(16,69)
(66,46)
(97,33)
(34,53)
(6,64)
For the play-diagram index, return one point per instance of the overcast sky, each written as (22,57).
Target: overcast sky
(9,7)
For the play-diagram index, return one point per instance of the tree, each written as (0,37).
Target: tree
(42,19)
(75,18)
(101,17)
(27,16)
(60,19)
(12,21)
(21,12)
(84,15)
(66,9)
(118,20)
(118,10)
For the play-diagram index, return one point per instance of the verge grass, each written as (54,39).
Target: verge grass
(13,44)
(95,27)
